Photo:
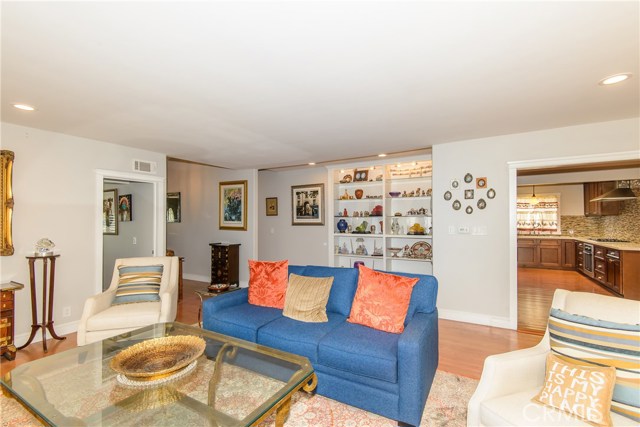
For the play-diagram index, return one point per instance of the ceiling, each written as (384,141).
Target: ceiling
(267,84)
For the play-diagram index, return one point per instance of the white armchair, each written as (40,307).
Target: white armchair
(510,380)
(101,320)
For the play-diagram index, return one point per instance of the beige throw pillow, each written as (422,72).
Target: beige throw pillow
(580,390)
(306,298)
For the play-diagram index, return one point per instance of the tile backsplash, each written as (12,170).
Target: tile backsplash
(625,226)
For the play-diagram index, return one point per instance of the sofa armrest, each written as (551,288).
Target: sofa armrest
(417,363)
(221,302)
(508,373)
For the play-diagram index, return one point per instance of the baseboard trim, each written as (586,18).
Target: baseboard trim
(61,329)
(197,278)
(478,319)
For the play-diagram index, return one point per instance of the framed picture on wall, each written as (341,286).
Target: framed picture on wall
(109,207)
(307,204)
(233,205)
(272,206)
(125,208)
(173,207)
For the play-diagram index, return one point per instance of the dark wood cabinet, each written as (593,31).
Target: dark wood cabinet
(568,254)
(599,264)
(614,271)
(546,253)
(7,316)
(579,256)
(595,189)
(225,260)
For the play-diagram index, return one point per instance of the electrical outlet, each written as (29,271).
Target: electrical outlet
(66,312)
(463,229)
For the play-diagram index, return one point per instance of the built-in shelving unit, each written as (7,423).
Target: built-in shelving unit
(394,199)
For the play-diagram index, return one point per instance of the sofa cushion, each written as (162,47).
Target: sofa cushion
(581,390)
(268,283)
(242,321)
(581,339)
(518,410)
(125,316)
(424,295)
(345,282)
(138,284)
(297,269)
(382,300)
(306,298)
(298,337)
(361,351)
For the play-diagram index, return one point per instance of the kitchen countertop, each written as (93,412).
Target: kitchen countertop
(611,245)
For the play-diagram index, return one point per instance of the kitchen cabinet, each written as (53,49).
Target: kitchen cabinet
(595,189)
(546,253)
(579,256)
(599,264)
(568,254)
(614,271)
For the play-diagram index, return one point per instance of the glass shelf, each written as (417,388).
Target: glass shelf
(410,236)
(390,258)
(359,256)
(357,235)
(410,198)
(359,184)
(408,216)
(412,179)
(364,199)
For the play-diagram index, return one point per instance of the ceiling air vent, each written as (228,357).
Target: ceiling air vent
(144,166)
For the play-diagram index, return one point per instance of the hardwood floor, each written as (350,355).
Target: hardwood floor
(535,293)
(463,346)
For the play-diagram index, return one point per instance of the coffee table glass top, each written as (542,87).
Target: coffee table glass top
(234,383)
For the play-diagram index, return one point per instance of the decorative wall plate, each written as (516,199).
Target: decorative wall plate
(447,195)
(469,210)
(481,182)
(468,194)
(457,205)
(468,178)
(491,193)
(159,357)
(420,250)
(482,204)
(454,183)
(346,179)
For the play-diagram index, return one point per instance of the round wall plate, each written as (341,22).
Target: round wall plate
(491,193)
(469,210)
(447,195)
(457,205)
(468,178)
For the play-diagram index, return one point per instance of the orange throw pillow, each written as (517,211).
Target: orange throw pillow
(268,283)
(382,300)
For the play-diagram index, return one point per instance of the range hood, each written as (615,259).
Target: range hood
(616,194)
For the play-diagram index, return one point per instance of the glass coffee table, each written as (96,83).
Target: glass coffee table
(234,383)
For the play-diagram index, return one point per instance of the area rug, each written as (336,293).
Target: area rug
(446,406)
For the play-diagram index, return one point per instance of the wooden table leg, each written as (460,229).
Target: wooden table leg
(34,306)
(52,275)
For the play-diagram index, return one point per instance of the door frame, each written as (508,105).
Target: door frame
(159,203)
(514,166)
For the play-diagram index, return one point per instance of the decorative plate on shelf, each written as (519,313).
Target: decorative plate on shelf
(152,359)
(421,250)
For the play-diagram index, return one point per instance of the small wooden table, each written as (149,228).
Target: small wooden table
(47,316)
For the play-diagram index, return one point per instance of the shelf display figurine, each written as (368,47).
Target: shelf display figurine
(345,212)
(395,227)
(377,251)
(342,226)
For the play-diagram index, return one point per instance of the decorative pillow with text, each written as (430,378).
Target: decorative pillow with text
(581,390)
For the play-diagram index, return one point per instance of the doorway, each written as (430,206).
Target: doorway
(546,251)
(140,232)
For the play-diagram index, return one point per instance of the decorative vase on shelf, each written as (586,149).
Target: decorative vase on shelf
(395,227)
(342,225)
(359,193)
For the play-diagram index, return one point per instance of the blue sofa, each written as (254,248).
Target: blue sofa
(384,373)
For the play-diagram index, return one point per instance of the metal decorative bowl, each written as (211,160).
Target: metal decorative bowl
(218,287)
(159,357)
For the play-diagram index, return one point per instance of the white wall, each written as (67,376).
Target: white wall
(140,228)
(474,271)
(278,239)
(190,238)
(55,196)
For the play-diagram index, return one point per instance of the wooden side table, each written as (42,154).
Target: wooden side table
(47,285)
(7,316)
(208,294)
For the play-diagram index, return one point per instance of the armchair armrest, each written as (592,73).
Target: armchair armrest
(417,363)
(92,306)
(168,305)
(508,373)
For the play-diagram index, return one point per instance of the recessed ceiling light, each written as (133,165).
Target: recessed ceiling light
(24,107)
(311,164)
(382,155)
(617,78)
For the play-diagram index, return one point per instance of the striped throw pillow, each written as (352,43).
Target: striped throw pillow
(306,298)
(138,284)
(581,339)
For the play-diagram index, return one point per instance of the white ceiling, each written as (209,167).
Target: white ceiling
(266,84)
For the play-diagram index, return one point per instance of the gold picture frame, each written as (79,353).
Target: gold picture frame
(6,194)
(272,206)
(233,205)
